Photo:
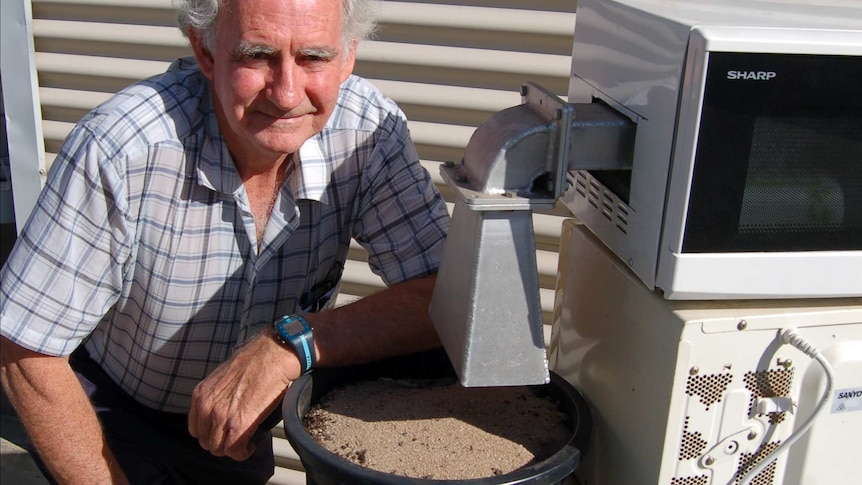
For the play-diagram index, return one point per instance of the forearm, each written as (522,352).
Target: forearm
(232,401)
(392,322)
(58,417)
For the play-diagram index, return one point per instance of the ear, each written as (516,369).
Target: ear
(349,61)
(202,54)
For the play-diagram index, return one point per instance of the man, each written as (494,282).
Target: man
(186,215)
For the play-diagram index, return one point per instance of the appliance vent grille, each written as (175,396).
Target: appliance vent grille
(579,183)
(602,199)
(747,461)
(692,445)
(622,221)
(769,383)
(594,194)
(709,388)
(698,480)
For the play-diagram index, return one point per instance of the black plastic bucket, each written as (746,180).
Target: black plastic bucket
(323,467)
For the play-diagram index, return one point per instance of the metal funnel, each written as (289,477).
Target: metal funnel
(486,302)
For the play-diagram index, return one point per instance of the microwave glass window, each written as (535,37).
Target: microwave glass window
(778,165)
(793,183)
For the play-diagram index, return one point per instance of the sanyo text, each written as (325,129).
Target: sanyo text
(847,400)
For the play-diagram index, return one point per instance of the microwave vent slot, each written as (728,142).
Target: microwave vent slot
(607,206)
(769,383)
(602,199)
(622,218)
(579,182)
(708,388)
(747,461)
(698,480)
(594,193)
(692,445)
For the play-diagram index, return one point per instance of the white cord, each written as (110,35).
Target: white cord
(789,336)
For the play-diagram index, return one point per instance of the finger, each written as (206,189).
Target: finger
(193,419)
(241,451)
(200,422)
(211,438)
(237,441)
(216,442)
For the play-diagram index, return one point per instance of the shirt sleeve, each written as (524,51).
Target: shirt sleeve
(66,269)
(403,218)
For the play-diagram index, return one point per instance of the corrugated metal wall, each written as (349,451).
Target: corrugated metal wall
(449,64)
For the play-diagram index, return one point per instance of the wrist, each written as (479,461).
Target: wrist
(295,333)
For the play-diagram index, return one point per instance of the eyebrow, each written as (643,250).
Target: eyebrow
(321,52)
(247,49)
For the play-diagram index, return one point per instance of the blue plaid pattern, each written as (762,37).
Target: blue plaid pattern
(143,246)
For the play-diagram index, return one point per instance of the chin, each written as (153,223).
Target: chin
(281,142)
(285,134)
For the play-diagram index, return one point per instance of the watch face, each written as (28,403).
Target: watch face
(294,327)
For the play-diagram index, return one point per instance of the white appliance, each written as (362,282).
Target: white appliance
(709,306)
(699,392)
(746,179)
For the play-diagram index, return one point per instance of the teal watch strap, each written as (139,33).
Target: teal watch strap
(294,331)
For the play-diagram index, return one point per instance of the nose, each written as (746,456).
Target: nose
(285,88)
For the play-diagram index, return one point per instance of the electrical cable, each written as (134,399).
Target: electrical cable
(789,336)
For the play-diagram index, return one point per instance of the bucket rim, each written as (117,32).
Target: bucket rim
(298,399)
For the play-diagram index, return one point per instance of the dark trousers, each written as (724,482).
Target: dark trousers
(154,447)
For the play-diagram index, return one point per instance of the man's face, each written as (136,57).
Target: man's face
(275,71)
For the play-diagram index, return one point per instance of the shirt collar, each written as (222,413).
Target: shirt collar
(312,178)
(215,167)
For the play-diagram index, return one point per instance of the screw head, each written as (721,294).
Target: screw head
(731,448)
(742,325)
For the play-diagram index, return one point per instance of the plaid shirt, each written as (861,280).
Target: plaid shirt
(143,243)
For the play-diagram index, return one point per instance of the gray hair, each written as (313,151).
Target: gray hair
(358,19)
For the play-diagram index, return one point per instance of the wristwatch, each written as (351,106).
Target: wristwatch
(294,331)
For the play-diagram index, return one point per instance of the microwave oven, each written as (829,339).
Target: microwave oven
(746,175)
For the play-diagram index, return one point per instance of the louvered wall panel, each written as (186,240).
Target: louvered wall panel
(449,64)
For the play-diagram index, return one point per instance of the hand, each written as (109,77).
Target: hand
(230,403)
